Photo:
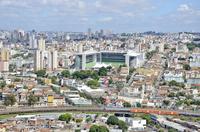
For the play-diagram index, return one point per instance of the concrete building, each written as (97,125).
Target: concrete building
(41,44)
(195,60)
(88,59)
(32,40)
(4,66)
(4,59)
(4,54)
(45,60)
(178,77)
(38,60)
(52,60)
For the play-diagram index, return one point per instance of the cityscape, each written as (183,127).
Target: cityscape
(99,66)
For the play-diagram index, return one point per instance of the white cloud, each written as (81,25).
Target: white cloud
(106,19)
(84,19)
(184,8)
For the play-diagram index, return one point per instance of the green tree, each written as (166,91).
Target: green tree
(32,99)
(12,67)
(2,84)
(40,81)
(186,67)
(102,71)
(191,46)
(53,79)
(150,54)
(109,68)
(172,94)
(138,105)
(122,125)
(96,128)
(110,81)
(25,87)
(10,100)
(147,117)
(173,83)
(172,130)
(17,80)
(112,120)
(93,83)
(79,120)
(166,102)
(119,85)
(126,104)
(131,70)
(173,50)
(41,73)
(95,76)
(65,117)
(65,73)
(89,119)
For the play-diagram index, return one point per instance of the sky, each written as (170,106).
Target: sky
(115,15)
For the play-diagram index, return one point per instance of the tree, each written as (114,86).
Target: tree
(119,85)
(32,99)
(112,120)
(96,128)
(79,120)
(166,46)
(147,117)
(2,84)
(173,83)
(172,94)
(95,76)
(12,67)
(88,119)
(65,73)
(65,117)
(166,102)
(122,125)
(131,70)
(10,100)
(17,80)
(150,54)
(41,73)
(109,68)
(172,130)
(126,104)
(138,105)
(25,87)
(186,67)
(191,46)
(110,81)
(85,74)
(102,71)
(53,79)
(93,83)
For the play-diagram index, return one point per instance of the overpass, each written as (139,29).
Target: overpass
(96,109)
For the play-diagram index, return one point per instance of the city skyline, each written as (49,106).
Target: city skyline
(118,16)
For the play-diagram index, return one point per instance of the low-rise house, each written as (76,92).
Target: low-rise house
(173,75)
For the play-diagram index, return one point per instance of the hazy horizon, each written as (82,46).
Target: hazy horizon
(116,15)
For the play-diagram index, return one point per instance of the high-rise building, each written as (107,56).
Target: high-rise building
(32,40)
(1,44)
(38,60)
(89,33)
(4,54)
(41,44)
(46,60)
(80,48)
(52,60)
(4,59)
(161,47)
